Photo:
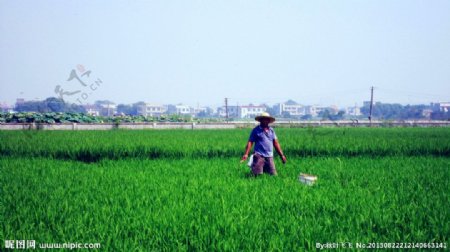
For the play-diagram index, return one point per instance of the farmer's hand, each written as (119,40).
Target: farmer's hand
(244,158)
(283,158)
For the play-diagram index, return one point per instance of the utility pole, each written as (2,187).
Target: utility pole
(371,105)
(226,109)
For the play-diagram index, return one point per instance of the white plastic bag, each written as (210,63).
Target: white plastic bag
(250,161)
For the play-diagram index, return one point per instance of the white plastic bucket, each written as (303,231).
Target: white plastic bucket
(307,179)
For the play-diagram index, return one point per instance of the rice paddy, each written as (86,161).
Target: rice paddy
(186,190)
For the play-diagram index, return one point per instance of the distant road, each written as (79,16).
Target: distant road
(224,125)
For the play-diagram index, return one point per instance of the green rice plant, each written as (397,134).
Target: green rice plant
(185,190)
(210,204)
(95,145)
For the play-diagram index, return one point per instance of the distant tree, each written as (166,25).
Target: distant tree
(383,110)
(306,117)
(291,102)
(54,104)
(272,111)
(202,114)
(392,111)
(413,112)
(134,107)
(286,114)
(338,116)
(325,114)
(440,115)
(126,109)
(28,106)
(75,108)
(50,104)
(103,102)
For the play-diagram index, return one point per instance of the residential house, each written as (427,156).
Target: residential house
(180,109)
(92,110)
(4,107)
(440,106)
(353,111)
(148,109)
(316,110)
(290,108)
(245,111)
(250,111)
(107,109)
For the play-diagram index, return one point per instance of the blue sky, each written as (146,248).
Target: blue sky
(198,52)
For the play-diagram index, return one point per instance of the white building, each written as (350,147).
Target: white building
(4,107)
(246,111)
(108,109)
(92,110)
(205,111)
(441,106)
(291,109)
(149,109)
(316,110)
(427,113)
(251,111)
(353,111)
(311,110)
(233,111)
(180,109)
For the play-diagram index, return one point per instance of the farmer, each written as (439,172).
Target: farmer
(265,139)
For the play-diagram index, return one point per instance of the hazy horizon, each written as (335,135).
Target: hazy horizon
(196,52)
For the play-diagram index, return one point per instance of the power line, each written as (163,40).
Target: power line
(409,93)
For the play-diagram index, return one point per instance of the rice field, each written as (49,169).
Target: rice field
(186,190)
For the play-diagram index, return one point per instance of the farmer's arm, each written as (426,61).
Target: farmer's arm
(277,146)
(248,147)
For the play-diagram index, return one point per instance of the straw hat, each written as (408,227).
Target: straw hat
(265,115)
